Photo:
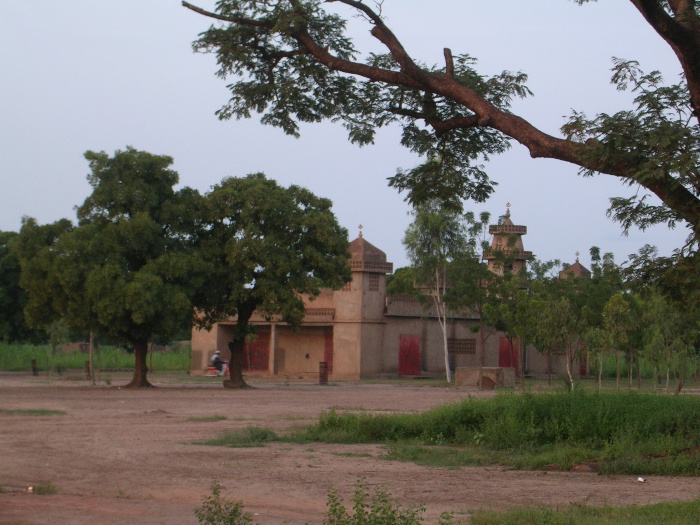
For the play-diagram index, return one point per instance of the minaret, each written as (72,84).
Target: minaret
(507,239)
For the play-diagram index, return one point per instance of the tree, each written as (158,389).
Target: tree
(403,281)
(13,325)
(266,248)
(617,321)
(473,286)
(294,63)
(125,270)
(433,241)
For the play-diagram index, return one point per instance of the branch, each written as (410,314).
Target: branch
(449,64)
(232,19)
(682,33)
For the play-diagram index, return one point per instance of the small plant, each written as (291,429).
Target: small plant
(207,418)
(376,509)
(245,437)
(216,510)
(45,489)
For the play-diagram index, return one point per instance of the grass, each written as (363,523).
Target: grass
(33,412)
(207,418)
(678,513)
(18,358)
(241,438)
(613,432)
(45,489)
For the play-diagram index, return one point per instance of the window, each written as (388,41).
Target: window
(374,282)
(461,346)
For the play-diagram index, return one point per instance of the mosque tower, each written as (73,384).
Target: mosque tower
(507,239)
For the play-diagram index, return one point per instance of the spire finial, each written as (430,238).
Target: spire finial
(507,209)
(577,254)
(360,227)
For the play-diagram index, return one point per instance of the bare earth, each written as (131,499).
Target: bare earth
(124,456)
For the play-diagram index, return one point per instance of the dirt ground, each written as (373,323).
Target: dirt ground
(122,456)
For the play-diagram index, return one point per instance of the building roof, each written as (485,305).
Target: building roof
(575,270)
(362,250)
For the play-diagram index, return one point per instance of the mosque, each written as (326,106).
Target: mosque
(361,332)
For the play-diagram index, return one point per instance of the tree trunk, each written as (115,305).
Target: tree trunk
(521,357)
(617,371)
(639,373)
(600,372)
(91,354)
(569,366)
(629,371)
(237,348)
(549,368)
(140,379)
(480,375)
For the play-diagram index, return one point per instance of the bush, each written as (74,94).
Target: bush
(218,511)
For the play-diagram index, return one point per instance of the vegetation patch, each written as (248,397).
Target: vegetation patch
(241,438)
(207,418)
(678,513)
(33,412)
(45,489)
(607,432)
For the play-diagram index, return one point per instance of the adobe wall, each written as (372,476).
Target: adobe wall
(298,353)
(346,351)
(203,347)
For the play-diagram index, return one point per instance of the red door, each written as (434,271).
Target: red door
(409,355)
(256,355)
(508,353)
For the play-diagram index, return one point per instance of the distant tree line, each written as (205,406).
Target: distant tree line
(635,313)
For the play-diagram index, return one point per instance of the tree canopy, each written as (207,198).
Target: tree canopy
(124,270)
(266,247)
(292,61)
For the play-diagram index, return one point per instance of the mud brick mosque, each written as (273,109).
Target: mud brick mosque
(362,332)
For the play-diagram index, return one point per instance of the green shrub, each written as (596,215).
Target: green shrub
(216,510)
(241,438)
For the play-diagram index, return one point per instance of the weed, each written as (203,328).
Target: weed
(216,510)
(378,508)
(247,437)
(33,412)
(207,418)
(45,489)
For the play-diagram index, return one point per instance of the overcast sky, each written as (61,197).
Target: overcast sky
(83,75)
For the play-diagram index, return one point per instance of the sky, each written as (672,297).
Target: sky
(82,75)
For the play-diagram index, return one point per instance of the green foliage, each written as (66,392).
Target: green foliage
(264,256)
(655,139)
(680,513)
(378,508)
(216,510)
(402,281)
(33,412)
(243,438)
(538,430)
(207,418)
(13,299)
(125,270)
(18,358)
(45,489)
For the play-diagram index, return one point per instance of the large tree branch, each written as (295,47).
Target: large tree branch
(224,18)
(682,38)
(682,33)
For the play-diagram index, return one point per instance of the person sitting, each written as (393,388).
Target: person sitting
(217,362)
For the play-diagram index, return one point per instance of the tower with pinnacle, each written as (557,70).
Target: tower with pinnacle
(507,253)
